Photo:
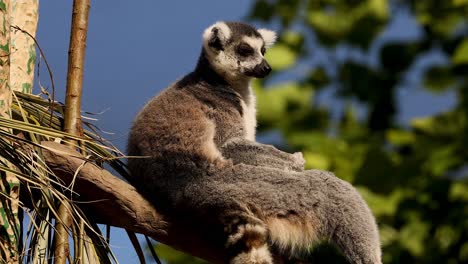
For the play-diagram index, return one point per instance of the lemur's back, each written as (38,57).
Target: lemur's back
(182,129)
(160,126)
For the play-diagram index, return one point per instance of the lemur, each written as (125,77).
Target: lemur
(202,161)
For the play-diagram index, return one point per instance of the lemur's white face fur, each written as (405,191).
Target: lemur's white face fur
(236,50)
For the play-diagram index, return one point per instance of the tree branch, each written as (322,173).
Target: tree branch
(112,201)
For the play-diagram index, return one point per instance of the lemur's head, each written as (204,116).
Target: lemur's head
(236,50)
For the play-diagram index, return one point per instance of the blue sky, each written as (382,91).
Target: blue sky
(137,48)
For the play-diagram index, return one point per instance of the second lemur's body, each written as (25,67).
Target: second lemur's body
(199,135)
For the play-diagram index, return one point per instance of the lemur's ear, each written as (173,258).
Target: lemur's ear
(216,36)
(268,36)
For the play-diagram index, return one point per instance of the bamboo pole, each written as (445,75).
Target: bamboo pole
(76,56)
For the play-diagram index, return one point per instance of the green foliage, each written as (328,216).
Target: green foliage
(439,79)
(461,53)
(289,98)
(355,22)
(172,256)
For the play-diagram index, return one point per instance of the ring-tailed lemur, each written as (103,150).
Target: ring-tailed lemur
(205,164)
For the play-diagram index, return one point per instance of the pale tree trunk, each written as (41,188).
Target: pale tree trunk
(17,57)
(25,14)
(8,219)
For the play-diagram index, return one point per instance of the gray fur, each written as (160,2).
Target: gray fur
(248,196)
(241,150)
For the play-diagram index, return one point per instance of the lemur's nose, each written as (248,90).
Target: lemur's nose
(265,68)
(260,70)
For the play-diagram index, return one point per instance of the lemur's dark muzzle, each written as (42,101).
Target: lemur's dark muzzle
(261,70)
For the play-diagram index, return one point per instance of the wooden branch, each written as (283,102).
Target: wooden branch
(112,201)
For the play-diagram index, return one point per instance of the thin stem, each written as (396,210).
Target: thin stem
(76,56)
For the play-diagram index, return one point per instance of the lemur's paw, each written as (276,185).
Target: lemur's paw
(259,255)
(298,161)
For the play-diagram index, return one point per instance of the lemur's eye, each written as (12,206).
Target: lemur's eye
(244,50)
(263,50)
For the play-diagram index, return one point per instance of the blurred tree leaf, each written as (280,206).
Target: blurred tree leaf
(283,9)
(350,126)
(377,172)
(358,22)
(284,99)
(281,57)
(316,161)
(397,57)
(444,125)
(463,255)
(286,10)
(294,41)
(440,18)
(459,191)
(449,45)
(438,78)
(172,256)
(263,10)
(460,3)
(382,205)
(441,160)
(330,28)
(446,236)
(400,137)
(372,87)
(413,235)
(318,78)
(461,53)
(360,81)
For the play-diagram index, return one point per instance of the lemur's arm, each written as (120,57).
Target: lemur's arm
(241,150)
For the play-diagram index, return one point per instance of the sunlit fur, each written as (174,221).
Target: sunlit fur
(250,112)
(225,32)
(293,236)
(268,36)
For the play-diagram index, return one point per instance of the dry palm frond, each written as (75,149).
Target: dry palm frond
(35,120)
